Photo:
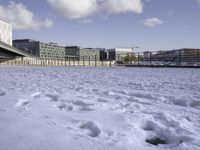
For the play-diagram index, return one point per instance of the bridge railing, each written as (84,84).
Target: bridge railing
(161,58)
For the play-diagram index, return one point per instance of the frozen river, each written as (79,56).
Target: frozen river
(74,108)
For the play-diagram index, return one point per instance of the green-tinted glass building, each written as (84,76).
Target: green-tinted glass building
(42,50)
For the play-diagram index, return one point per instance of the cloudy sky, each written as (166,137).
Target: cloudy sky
(149,24)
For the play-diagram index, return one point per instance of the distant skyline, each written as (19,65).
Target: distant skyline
(149,24)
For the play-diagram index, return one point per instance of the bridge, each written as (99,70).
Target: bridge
(9,52)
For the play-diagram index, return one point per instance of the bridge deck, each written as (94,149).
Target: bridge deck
(7,51)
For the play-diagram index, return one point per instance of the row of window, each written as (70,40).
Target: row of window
(24,45)
(51,46)
(48,56)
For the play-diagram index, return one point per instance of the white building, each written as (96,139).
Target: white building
(5,33)
(117,53)
(124,50)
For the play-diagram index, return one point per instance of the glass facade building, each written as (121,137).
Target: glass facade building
(53,50)
(42,50)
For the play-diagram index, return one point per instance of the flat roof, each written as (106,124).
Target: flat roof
(24,40)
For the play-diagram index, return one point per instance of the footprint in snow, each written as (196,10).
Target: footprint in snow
(108,93)
(2,93)
(36,94)
(91,127)
(102,100)
(83,106)
(179,102)
(163,127)
(63,106)
(81,103)
(86,108)
(22,103)
(195,104)
(53,97)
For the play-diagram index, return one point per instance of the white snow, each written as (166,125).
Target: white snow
(74,108)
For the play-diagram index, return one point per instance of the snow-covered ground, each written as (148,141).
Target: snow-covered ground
(72,108)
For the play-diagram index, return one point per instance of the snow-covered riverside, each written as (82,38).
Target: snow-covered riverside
(58,108)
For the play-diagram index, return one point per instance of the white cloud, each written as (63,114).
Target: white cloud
(77,9)
(123,6)
(151,22)
(74,9)
(21,18)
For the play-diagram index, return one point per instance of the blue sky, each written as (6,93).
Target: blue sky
(149,24)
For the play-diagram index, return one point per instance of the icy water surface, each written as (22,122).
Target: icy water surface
(58,108)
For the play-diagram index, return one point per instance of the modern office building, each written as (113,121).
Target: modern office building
(78,52)
(103,54)
(175,56)
(190,51)
(42,50)
(5,33)
(118,53)
(53,50)
(72,51)
(92,52)
(28,45)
